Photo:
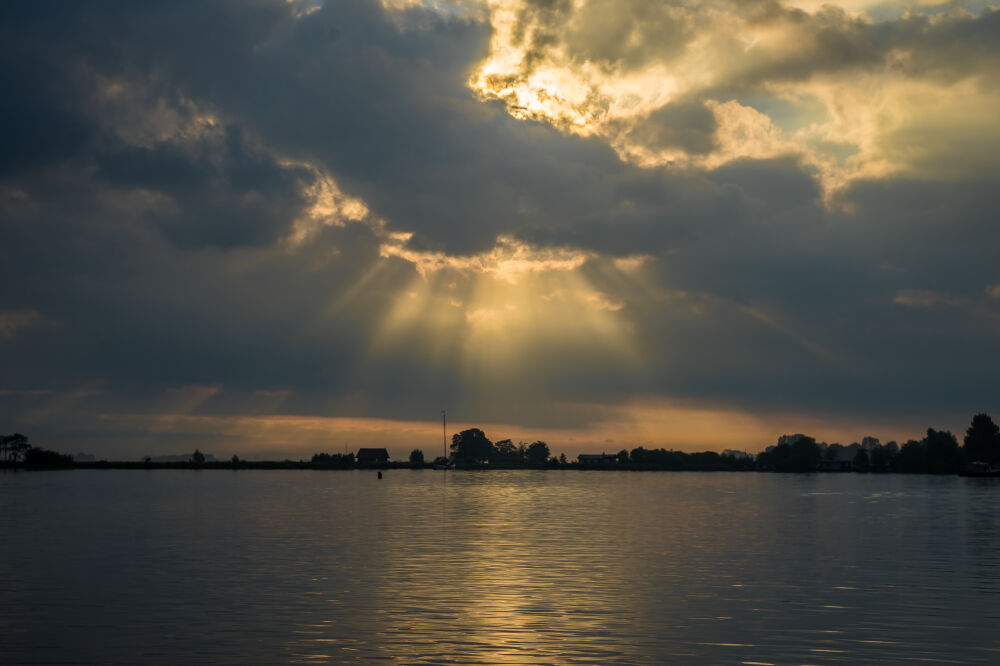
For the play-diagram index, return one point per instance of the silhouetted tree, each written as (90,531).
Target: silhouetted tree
(861,462)
(943,456)
(912,458)
(670,459)
(802,455)
(638,456)
(832,452)
(538,453)
(235,460)
(805,455)
(198,458)
(883,458)
(777,458)
(735,462)
(982,440)
(46,458)
(338,460)
(562,459)
(471,446)
(506,452)
(19,446)
(15,447)
(417,458)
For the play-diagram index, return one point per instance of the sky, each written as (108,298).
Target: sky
(273,227)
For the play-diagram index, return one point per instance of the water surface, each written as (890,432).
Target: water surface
(219,567)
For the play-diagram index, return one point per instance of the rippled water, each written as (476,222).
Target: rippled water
(526,566)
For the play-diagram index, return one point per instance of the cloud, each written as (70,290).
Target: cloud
(852,95)
(15,322)
(507,260)
(370,210)
(215,190)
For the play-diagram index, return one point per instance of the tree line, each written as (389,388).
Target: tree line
(16,449)
(938,452)
(643,458)
(472,447)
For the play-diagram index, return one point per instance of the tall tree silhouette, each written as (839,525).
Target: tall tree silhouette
(505,451)
(471,446)
(538,453)
(982,440)
(14,447)
(943,456)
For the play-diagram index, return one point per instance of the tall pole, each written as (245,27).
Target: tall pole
(444,433)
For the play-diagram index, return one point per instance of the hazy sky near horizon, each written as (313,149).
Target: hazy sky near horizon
(277,226)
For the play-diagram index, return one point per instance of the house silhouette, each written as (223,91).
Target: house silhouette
(372,457)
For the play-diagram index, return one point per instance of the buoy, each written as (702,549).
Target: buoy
(380,475)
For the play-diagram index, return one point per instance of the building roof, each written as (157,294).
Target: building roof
(373,452)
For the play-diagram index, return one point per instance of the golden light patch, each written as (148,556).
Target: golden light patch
(687,425)
(328,205)
(808,80)
(490,311)
(508,260)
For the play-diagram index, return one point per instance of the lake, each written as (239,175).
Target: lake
(251,567)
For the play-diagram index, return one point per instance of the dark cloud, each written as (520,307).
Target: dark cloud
(687,125)
(40,107)
(218,191)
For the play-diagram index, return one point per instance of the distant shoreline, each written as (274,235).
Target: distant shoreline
(305,465)
(938,453)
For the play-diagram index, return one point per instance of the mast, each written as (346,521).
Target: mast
(444,433)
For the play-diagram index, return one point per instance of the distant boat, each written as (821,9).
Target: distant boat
(979,469)
(443,463)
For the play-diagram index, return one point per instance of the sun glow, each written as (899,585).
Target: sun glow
(501,308)
(509,260)
(497,311)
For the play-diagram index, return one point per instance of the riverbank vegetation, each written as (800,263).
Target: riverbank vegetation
(938,452)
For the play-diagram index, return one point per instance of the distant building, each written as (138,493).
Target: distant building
(739,455)
(372,457)
(842,461)
(597,458)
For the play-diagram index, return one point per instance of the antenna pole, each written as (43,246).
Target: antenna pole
(444,433)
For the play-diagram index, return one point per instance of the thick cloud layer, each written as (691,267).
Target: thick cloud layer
(528,212)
